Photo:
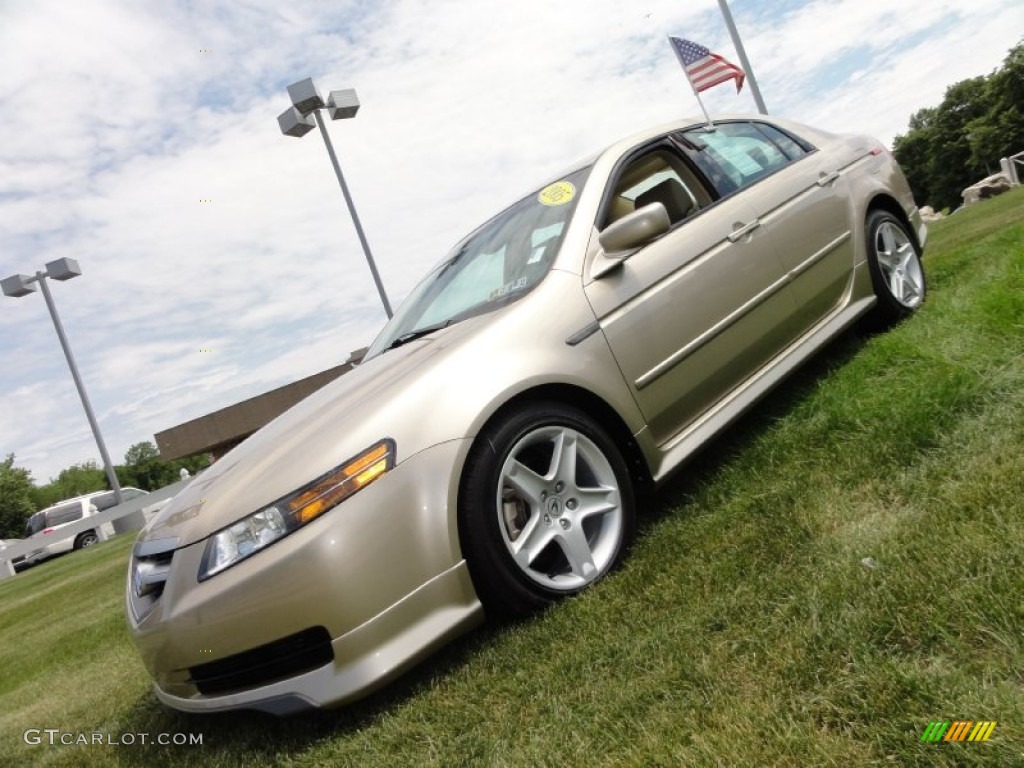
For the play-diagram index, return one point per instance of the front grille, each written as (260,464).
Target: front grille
(149,570)
(293,655)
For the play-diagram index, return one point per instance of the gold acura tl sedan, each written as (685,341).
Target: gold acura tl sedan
(483,457)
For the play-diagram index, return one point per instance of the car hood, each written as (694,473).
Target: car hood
(351,413)
(426,392)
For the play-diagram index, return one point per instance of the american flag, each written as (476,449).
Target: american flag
(704,68)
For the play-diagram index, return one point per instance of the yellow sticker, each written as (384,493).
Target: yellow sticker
(559,193)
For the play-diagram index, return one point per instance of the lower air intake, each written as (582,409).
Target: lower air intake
(293,655)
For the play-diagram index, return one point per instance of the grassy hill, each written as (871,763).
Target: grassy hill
(843,567)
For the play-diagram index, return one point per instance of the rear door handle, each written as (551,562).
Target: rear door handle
(741,230)
(824,179)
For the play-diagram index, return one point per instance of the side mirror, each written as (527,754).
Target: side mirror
(620,238)
(634,229)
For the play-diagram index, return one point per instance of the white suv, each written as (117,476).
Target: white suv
(46,522)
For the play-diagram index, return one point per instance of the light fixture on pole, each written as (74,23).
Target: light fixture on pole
(22,285)
(300,119)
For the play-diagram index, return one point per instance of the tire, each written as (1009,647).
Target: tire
(86,539)
(894,262)
(546,508)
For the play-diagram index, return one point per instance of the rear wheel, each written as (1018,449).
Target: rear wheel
(546,508)
(895,266)
(86,539)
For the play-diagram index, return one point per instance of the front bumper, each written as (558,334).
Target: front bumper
(45,553)
(365,658)
(381,573)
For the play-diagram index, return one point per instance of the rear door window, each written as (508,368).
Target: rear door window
(104,501)
(65,514)
(735,155)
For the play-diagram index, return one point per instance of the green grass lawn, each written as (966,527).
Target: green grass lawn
(838,570)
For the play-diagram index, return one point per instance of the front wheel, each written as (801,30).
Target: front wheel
(895,266)
(546,508)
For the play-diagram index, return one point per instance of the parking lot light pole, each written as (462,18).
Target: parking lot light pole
(300,119)
(22,285)
(744,61)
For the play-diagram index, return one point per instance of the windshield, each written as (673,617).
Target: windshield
(495,265)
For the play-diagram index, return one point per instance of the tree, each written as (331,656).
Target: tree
(141,454)
(913,152)
(144,468)
(15,499)
(1000,131)
(936,156)
(949,147)
(78,479)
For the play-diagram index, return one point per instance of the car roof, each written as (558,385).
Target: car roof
(626,143)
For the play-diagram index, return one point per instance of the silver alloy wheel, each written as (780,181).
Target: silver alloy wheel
(559,508)
(900,265)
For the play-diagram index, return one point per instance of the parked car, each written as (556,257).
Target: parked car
(485,455)
(46,524)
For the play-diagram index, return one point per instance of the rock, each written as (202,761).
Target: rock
(928,214)
(988,187)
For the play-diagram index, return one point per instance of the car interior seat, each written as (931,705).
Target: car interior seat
(672,195)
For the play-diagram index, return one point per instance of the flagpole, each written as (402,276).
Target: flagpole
(744,62)
(711,125)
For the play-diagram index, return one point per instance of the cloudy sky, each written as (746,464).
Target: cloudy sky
(139,137)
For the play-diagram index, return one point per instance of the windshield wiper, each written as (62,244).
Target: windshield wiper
(419,333)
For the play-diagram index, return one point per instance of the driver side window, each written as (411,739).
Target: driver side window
(659,176)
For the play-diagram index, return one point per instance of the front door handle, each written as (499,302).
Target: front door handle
(741,230)
(824,179)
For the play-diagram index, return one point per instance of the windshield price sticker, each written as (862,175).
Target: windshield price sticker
(559,193)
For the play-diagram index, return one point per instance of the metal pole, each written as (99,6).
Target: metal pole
(735,35)
(711,125)
(111,476)
(355,216)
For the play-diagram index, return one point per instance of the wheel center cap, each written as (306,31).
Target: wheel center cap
(554,506)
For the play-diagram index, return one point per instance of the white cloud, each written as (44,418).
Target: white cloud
(899,57)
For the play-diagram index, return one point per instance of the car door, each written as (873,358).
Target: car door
(799,196)
(694,313)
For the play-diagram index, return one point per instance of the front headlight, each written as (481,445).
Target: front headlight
(275,521)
